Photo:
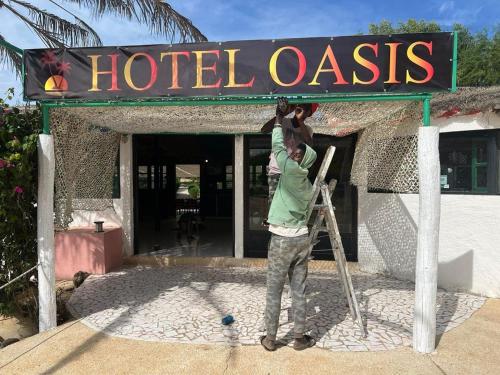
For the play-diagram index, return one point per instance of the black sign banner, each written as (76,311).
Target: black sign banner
(351,64)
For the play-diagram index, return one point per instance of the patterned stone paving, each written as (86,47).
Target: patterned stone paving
(186,304)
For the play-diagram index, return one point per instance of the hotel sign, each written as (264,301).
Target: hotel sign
(353,64)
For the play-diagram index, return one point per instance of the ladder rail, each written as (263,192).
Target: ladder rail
(323,170)
(316,228)
(326,214)
(342,262)
(336,251)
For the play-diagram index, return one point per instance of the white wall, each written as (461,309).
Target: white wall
(469,242)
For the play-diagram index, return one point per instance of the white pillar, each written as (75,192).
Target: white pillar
(127,194)
(45,234)
(238,186)
(424,324)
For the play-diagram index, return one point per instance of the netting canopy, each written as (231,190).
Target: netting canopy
(87,139)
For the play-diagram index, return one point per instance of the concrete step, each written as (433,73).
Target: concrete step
(222,262)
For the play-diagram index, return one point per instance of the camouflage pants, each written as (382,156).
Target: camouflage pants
(286,256)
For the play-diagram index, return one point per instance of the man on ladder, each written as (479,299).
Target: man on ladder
(289,246)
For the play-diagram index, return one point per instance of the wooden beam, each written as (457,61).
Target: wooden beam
(45,234)
(424,324)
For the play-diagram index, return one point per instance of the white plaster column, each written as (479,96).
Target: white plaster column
(45,234)
(127,193)
(239,206)
(424,323)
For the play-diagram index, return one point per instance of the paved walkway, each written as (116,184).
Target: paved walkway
(186,304)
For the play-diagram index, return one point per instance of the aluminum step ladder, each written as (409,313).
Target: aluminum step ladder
(325,221)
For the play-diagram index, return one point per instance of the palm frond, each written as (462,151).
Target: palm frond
(53,30)
(158,15)
(10,58)
(81,23)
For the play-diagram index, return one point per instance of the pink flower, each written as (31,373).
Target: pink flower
(18,190)
(3,164)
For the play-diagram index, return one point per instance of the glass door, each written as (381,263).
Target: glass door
(257,150)
(256,235)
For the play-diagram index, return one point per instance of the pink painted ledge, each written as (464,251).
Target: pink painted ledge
(82,249)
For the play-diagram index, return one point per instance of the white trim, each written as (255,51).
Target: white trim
(239,206)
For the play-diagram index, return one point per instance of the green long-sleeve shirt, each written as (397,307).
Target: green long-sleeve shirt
(294,191)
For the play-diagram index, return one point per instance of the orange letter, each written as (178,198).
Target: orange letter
(200,68)
(335,68)
(231,78)
(420,62)
(128,68)
(175,66)
(392,62)
(274,60)
(95,73)
(367,64)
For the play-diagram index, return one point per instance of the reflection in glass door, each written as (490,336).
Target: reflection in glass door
(257,236)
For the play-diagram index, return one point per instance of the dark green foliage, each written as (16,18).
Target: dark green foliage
(194,189)
(18,187)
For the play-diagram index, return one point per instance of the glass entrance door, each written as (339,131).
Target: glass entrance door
(257,150)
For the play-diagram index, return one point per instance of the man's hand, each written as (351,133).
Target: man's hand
(282,107)
(300,114)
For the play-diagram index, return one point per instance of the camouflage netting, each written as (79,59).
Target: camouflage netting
(87,138)
(85,160)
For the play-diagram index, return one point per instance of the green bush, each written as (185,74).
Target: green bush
(194,190)
(19,130)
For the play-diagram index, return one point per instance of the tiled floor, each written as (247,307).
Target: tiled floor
(186,304)
(214,238)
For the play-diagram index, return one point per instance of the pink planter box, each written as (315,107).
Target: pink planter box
(81,249)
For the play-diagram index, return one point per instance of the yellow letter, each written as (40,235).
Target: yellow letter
(367,64)
(335,68)
(231,78)
(274,60)
(392,62)
(96,73)
(429,69)
(175,66)
(128,68)
(200,68)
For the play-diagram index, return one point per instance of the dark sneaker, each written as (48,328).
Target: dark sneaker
(304,343)
(269,345)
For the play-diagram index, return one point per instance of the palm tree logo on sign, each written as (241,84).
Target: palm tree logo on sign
(56,84)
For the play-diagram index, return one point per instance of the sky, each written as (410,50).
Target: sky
(223,20)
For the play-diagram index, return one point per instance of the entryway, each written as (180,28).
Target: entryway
(183,188)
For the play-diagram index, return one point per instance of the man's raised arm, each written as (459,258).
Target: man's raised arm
(278,145)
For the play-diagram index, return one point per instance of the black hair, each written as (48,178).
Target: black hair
(302,146)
